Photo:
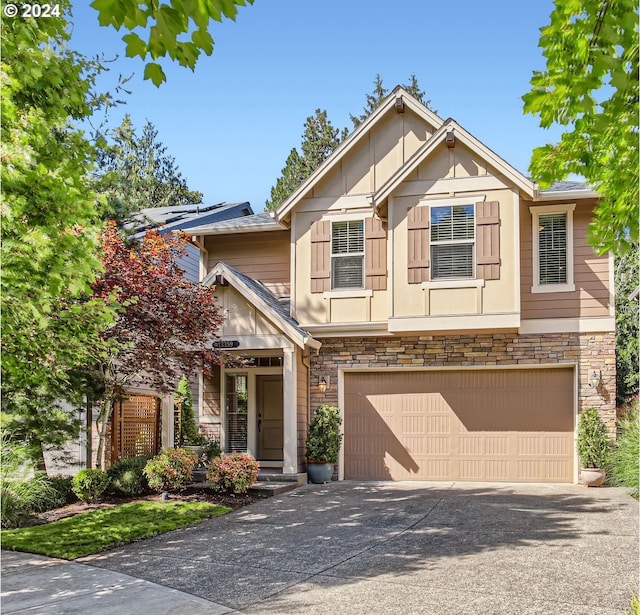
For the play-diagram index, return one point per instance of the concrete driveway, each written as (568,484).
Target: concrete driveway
(405,548)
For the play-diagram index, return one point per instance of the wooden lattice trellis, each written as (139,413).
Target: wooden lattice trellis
(135,427)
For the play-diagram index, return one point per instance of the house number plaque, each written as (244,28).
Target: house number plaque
(226,344)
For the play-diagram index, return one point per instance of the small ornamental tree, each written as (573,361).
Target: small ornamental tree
(165,325)
(593,443)
(323,436)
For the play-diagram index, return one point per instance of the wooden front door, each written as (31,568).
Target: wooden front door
(269,411)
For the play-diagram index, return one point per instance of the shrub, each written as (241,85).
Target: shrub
(323,436)
(90,484)
(62,485)
(20,498)
(127,476)
(593,443)
(21,492)
(212,449)
(233,473)
(171,469)
(189,433)
(625,465)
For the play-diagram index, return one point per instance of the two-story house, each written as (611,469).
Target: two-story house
(454,312)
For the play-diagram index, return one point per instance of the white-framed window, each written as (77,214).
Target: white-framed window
(552,248)
(347,254)
(452,240)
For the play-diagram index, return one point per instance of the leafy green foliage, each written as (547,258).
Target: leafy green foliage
(49,216)
(379,93)
(189,433)
(63,487)
(323,435)
(624,467)
(134,172)
(102,529)
(233,473)
(627,279)
(590,86)
(178,30)
(171,469)
(127,476)
(319,139)
(592,443)
(89,484)
(21,493)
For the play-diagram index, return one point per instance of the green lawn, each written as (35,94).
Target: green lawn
(104,528)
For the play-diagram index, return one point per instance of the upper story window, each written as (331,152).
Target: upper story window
(552,248)
(347,254)
(452,241)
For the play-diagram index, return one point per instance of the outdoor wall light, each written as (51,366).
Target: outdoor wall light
(594,379)
(323,383)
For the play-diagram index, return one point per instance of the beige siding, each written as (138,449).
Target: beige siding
(409,218)
(263,256)
(591,274)
(302,405)
(389,144)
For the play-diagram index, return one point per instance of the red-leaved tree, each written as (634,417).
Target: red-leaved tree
(165,325)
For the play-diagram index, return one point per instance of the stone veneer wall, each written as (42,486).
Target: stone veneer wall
(590,351)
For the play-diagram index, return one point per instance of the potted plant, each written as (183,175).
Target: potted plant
(593,447)
(188,435)
(323,443)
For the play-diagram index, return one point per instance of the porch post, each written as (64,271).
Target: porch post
(290,448)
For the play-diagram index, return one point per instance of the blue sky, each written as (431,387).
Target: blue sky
(231,124)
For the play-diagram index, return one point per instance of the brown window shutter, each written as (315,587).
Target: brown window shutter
(375,267)
(488,240)
(418,241)
(320,256)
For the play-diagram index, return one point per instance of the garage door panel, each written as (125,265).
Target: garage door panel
(514,425)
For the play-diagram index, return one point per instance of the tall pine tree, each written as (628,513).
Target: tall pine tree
(319,139)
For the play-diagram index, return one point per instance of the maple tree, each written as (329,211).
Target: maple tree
(590,88)
(165,325)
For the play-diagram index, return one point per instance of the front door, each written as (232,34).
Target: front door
(269,411)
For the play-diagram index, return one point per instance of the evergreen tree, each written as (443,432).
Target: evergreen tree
(135,172)
(319,139)
(379,93)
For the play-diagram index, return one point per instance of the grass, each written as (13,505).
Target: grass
(104,528)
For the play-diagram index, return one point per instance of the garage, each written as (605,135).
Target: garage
(512,425)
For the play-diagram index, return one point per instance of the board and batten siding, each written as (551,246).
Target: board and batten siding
(591,298)
(263,256)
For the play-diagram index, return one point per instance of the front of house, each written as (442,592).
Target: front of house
(454,312)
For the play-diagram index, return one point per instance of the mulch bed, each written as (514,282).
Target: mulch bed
(190,494)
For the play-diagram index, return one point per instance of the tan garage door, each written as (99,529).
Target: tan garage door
(476,425)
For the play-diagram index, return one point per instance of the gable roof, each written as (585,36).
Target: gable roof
(398,94)
(264,300)
(467,139)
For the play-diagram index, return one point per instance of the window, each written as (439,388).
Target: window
(552,247)
(452,241)
(347,254)
(236,408)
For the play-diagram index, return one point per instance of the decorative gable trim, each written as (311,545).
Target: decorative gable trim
(223,273)
(465,138)
(282,213)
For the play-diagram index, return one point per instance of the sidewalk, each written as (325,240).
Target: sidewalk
(37,584)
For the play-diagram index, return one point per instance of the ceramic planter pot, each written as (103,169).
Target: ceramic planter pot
(319,473)
(592,477)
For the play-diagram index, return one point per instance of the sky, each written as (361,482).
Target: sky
(231,123)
